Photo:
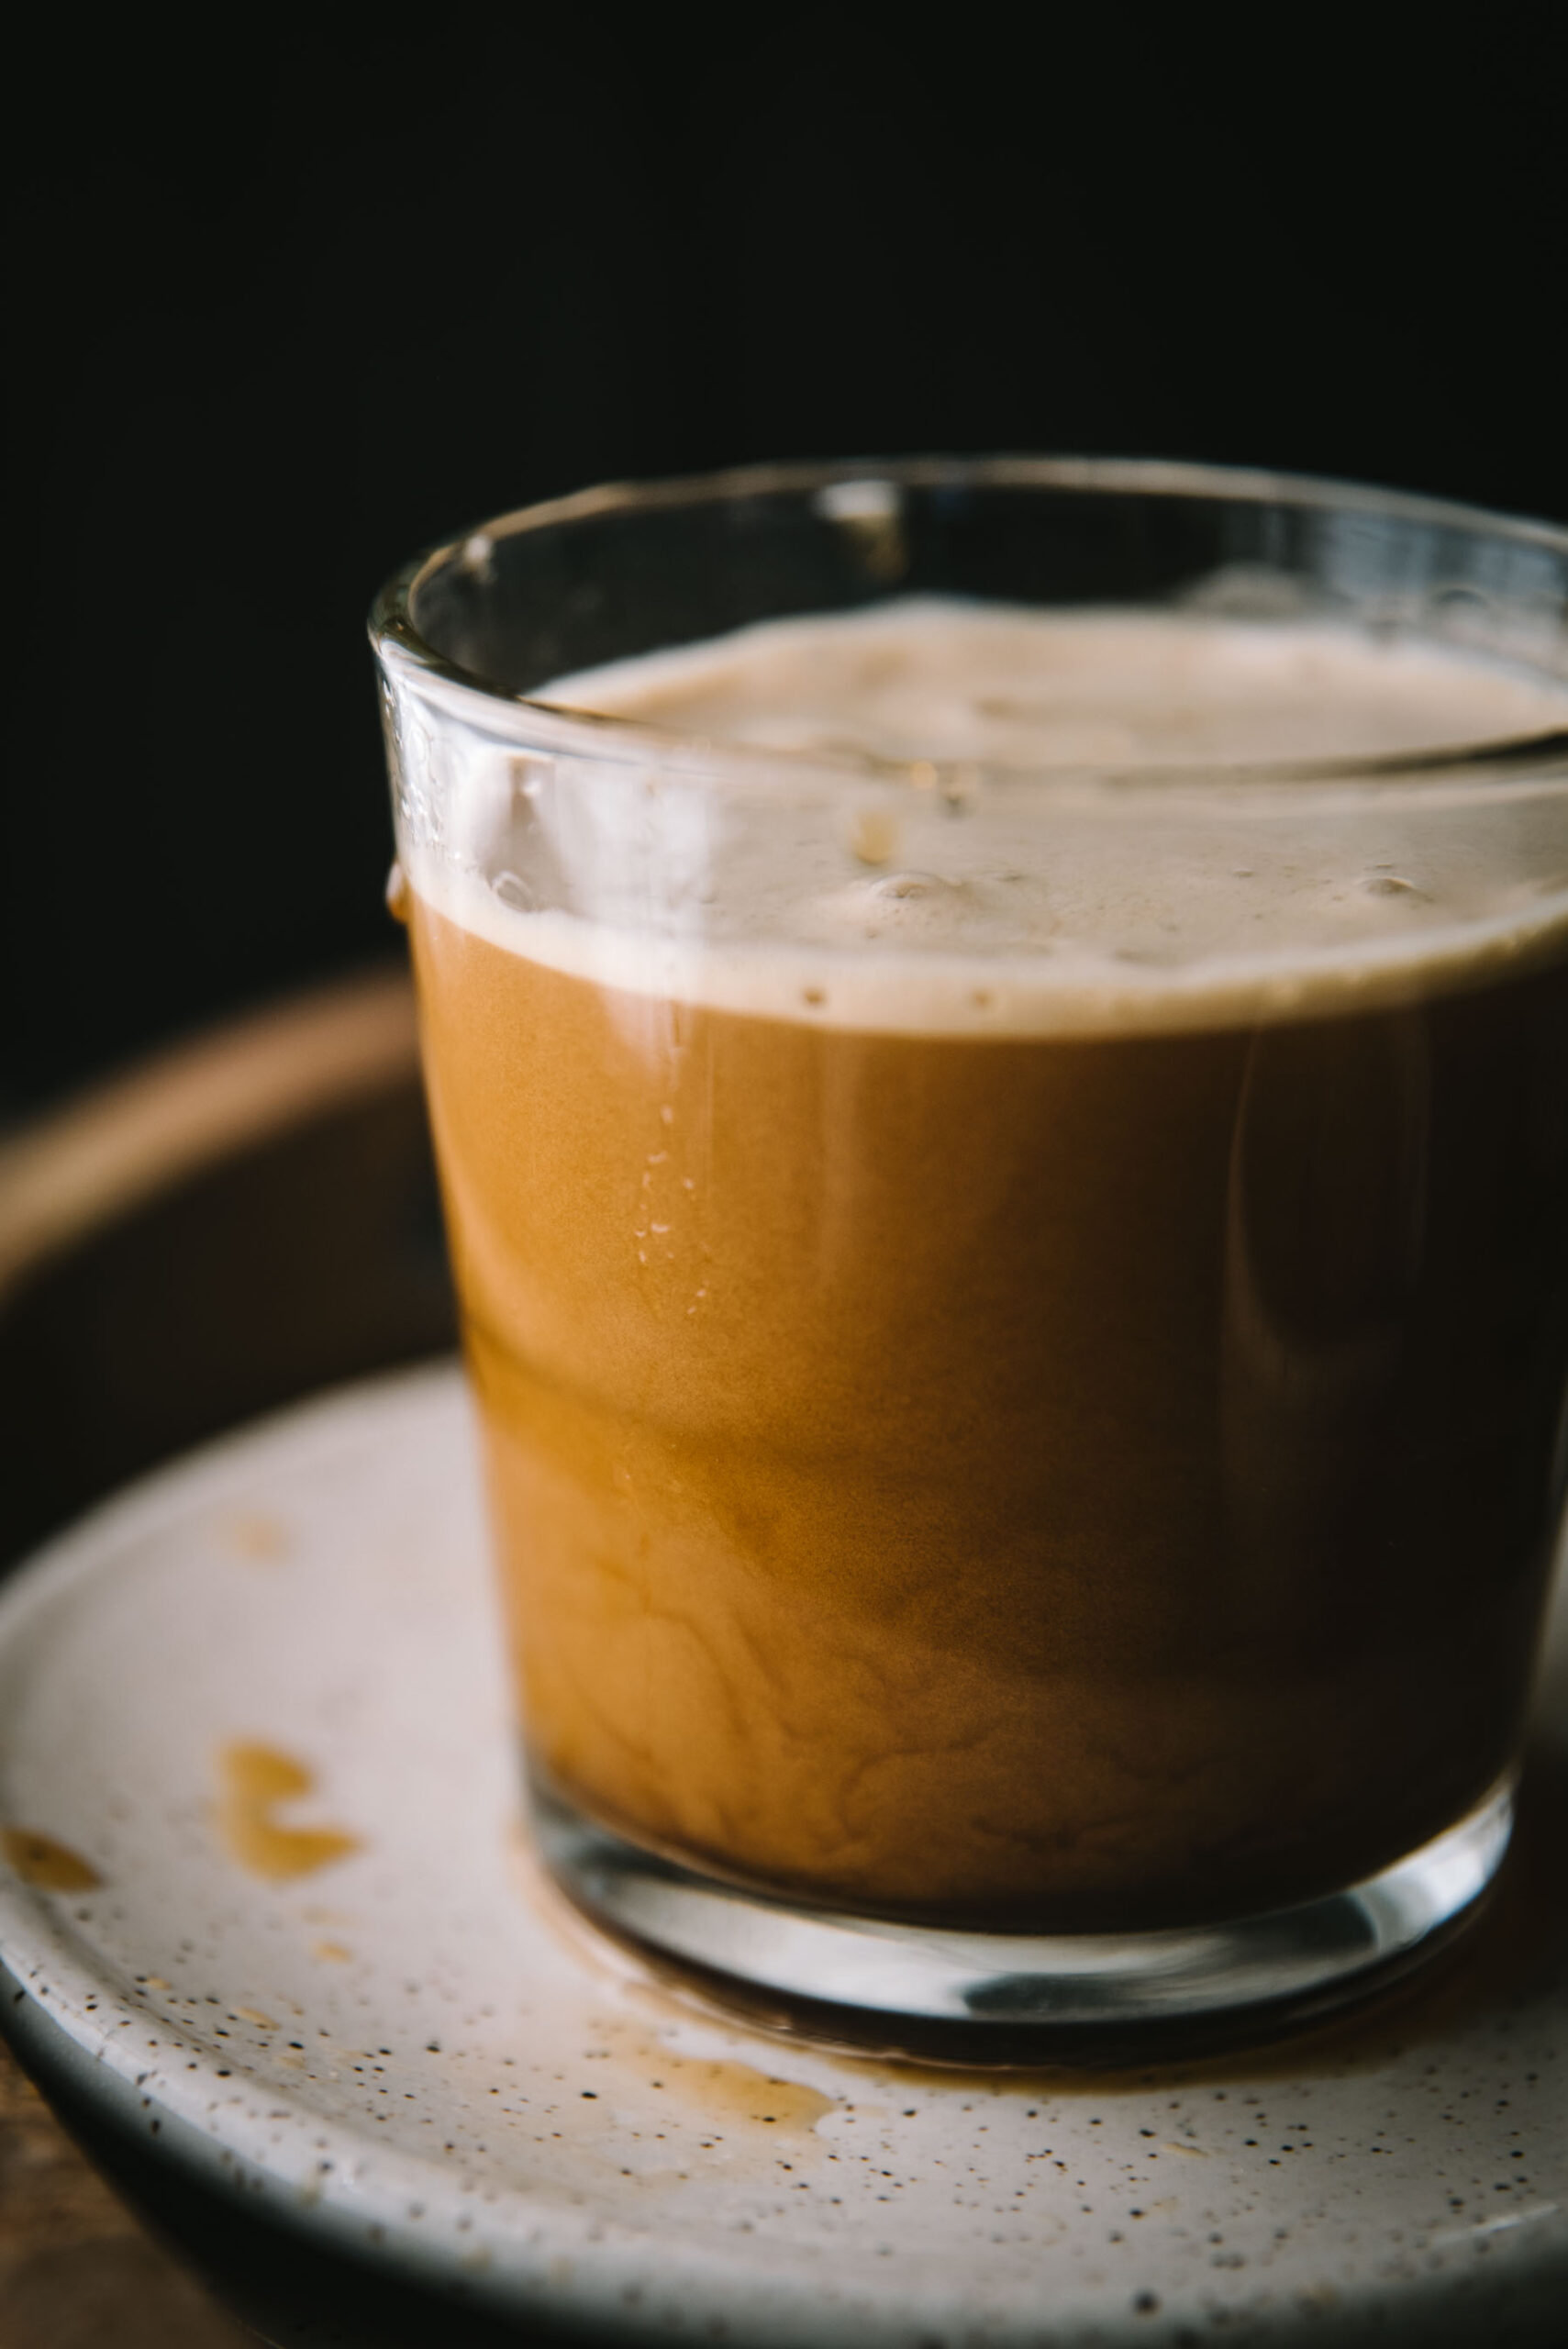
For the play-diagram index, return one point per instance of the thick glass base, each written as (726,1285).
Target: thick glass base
(1020,1998)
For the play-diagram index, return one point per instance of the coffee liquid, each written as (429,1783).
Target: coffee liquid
(1029,1395)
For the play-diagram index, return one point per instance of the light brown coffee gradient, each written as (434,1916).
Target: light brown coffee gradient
(1053,1480)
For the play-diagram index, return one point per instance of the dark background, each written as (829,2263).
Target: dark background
(288,317)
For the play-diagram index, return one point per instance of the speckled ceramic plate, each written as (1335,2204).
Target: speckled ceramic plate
(268,1899)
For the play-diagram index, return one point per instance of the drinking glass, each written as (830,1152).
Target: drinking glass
(1025,1459)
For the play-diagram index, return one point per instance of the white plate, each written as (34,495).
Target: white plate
(412,2052)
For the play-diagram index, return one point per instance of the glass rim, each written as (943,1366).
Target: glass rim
(566,729)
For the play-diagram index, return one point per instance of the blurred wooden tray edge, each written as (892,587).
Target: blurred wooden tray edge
(241,1218)
(195,1102)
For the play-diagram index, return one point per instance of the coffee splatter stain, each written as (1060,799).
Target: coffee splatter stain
(260,1775)
(256,1780)
(41,1860)
(720,2088)
(255,2014)
(256,1536)
(731,2091)
(331,1953)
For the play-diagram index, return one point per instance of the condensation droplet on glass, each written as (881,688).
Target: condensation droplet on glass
(512,890)
(397,892)
(666,1114)
(873,836)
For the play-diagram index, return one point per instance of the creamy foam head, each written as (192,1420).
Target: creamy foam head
(1032,906)
(933,678)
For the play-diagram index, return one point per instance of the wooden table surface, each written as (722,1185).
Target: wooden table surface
(77,2270)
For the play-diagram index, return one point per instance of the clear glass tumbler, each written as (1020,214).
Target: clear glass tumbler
(1018,1303)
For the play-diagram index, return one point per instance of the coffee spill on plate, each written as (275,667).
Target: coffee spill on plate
(724,2089)
(717,2087)
(257,1536)
(52,1866)
(256,1780)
